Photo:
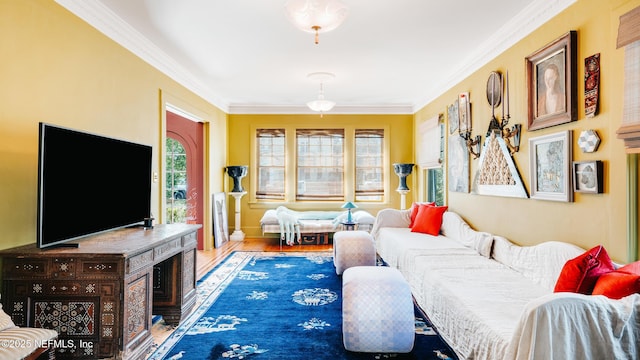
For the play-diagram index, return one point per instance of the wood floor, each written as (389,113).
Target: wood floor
(207,259)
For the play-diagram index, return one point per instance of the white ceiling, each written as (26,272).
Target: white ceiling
(389,56)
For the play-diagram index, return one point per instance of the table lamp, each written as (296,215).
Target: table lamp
(349,205)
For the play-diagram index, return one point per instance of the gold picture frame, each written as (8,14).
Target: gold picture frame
(552,83)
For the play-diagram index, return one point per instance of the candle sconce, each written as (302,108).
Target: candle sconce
(464,129)
(473,145)
(495,86)
(513,133)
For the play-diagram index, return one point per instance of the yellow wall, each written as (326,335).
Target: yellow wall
(591,219)
(242,133)
(56,68)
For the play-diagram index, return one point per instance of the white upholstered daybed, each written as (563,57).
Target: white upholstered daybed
(291,224)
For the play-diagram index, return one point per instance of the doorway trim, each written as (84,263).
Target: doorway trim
(169,102)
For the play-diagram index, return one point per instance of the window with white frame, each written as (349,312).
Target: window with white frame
(431,157)
(320,164)
(271,163)
(369,160)
(317,157)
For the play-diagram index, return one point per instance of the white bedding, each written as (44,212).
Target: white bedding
(397,253)
(502,307)
(290,224)
(466,298)
(575,326)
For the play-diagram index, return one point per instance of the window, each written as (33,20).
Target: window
(271,163)
(436,178)
(176,182)
(369,171)
(320,164)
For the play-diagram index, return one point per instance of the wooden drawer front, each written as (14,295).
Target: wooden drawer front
(65,288)
(190,239)
(63,268)
(25,268)
(167,249)
(97,269)
(137,262)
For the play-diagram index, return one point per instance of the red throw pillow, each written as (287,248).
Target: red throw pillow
(429,219)
(414,210)
(619,283)
(579,275)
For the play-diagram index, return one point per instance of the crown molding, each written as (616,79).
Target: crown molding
(338,109)
(107,22)
(524,23)
(104,20)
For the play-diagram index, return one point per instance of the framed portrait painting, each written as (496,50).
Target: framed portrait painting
(220,222)
(552,83)
(550,167)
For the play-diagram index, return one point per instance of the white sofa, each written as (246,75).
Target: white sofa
(491,299)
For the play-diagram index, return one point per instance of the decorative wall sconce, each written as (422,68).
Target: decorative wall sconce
(474,145)
(511,136)
(464,129)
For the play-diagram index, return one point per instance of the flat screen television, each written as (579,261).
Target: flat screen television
(89,184)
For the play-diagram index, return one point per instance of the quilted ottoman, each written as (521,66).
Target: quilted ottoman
(377,310)
(353,248)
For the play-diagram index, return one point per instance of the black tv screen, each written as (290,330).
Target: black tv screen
(89,184)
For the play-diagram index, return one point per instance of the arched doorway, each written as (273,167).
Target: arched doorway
(184,172)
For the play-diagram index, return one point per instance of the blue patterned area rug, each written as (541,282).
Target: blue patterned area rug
(277,306)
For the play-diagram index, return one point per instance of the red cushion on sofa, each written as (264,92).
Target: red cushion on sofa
(579,275)
(414,210)
(619,283)
(429,219)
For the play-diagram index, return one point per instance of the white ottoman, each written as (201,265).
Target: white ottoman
(353,248)
(377,310)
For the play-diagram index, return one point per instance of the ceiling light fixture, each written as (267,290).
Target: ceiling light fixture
(321,105)
(316,16)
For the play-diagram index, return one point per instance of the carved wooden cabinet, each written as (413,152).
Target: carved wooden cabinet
(102,294)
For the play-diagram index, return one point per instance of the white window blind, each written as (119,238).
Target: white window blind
(271,163)
(369,164)
(629,38)
(320,164)
(429,149)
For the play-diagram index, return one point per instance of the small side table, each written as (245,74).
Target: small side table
(349,226)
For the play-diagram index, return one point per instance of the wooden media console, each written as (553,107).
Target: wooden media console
(102,295)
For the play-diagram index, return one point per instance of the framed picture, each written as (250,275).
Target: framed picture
(464,113)
(458,161)
(552,83)
(587,176)
(220,223)
(452,111)
(550,165)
